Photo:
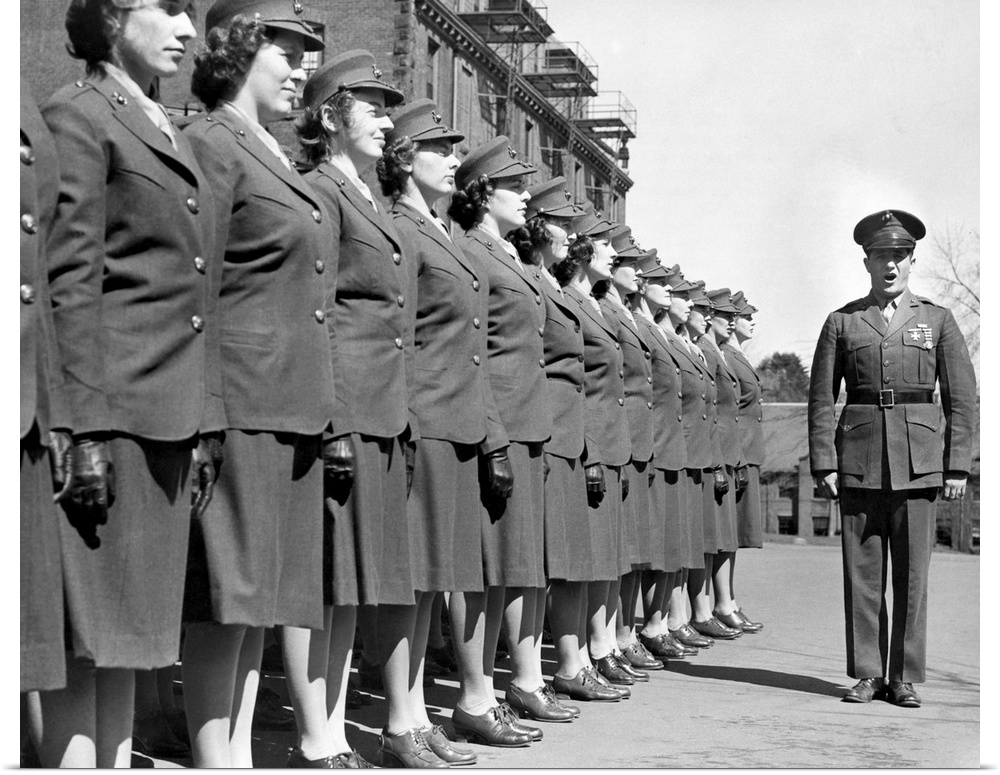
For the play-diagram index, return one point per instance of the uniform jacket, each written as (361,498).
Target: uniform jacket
(272,238)
(515,327)
(909,445)
(697,407)
(451,394)
(727,391)
(564,372)
(130,266)
(669,448)
(41,375)
(636,356)
(750,416)
(604,387)
(373,312)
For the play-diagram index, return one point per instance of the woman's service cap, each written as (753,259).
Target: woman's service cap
(741,303)
(676,281)
(591,224)
(649,267)
(722,300)
(553,199)
(421,120)
(624,243)
(495,159)
(349,71)
(278,14)
(889,229)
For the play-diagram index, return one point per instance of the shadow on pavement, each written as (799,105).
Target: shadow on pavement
(749,675)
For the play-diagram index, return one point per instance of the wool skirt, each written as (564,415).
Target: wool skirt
(694,530)
(726,513)
(124,580)
(366,542)
(443,519)
(43,650)
(749,514)
(668,524)
(567,525)
(514,529)
(605,528)
(256,553)
(636,510)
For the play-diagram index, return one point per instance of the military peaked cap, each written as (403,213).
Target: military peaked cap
(345,72)
(278,14)
(889,229)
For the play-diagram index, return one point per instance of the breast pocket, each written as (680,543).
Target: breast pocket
(918,362)
(859,368)
(853,439)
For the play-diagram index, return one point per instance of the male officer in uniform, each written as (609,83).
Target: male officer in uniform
(892,453)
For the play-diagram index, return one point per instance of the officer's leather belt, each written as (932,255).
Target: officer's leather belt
(889,398)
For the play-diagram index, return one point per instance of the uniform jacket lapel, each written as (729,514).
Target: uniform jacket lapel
(502,256)
(433,232)
(872,315)
(904,313)
(589,311)
(374,215)
(559,300)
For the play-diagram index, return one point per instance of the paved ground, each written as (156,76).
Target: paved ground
(765,700)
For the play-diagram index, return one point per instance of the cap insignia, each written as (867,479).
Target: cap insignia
(435,117)
(887,216)
(297,7)
(377,73)
(631,240)
(568,195)
(511,152)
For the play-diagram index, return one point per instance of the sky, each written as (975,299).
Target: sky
(768,128)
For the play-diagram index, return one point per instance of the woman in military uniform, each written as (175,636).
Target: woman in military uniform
(131,306)
(255,558)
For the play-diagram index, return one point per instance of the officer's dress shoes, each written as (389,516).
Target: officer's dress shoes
(609,667)
(508,713)
(351,760)
(864,690)
(713,628)
(537,704)
(583,686)
(902,694)
(628,667)
(408,749)
(623,691)
(748,622)
(446,749)
(736,622)
(489,728)
(686,635)
(639,657)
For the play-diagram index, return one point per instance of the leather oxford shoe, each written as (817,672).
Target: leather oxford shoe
(489,728)
(537,704)
(671,644)
(665,647)
(864,690)
(445,749)
(508,713)
(686,635)
(747,621)
(571,708)
(608,667)
(408,749)
(342,761)
(585,687)
(629,668)
(902,694)
(623,691)
(736,622)
(713,628)
(639,657)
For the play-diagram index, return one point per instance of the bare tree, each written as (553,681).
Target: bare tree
(954,270)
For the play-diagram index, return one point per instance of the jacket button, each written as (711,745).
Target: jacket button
(241,133)
(760,419)
(714,402)
(541,330)
(885,363)
(704,397)
(317,216)
(579,388)
(397,259)
(760,400)
(538,299)
(320,315)
(737,418)
(541,362)
(676,370)
(679,418)
(27,294)
(886,380)
(649,380)
(476,359)
(715,420)
(704,417)
(475,285)
(617,346)
(197,323)
(400,301)
(489,244)
(649,404)
(580,358)
(680,395)
(847,427)
(576,329)
(621,374)
(28,223)
(621,402)
(421,221)
(701,376)
(200,264)
(648,356)
(398,342)
(320,266)
(27,157)
(476,323)
(192,204)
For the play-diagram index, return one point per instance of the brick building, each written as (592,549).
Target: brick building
(493,66)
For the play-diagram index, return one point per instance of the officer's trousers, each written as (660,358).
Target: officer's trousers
(877,525)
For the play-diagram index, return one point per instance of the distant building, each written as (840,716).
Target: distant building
(493,66)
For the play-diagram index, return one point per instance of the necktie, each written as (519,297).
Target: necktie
(888,311)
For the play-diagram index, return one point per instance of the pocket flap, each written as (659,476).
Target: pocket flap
(927,415)
(857,342)
(856,416)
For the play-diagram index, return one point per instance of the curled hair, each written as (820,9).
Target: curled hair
(391,175)
(579,255)
(470,203)
(94,28)
(222,67)
(530,239)
(314,138)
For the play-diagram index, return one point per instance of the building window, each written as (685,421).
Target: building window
(432,68)
(311,60)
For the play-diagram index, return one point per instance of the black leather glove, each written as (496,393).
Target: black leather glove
(206,462)
(595,484)
(410,456)
(545,466)
(338,464)
(60,445)
(742,478)
(91,490)
(721,485)
(624,483)
(500,475)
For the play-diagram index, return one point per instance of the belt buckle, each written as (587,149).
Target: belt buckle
(886,399)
